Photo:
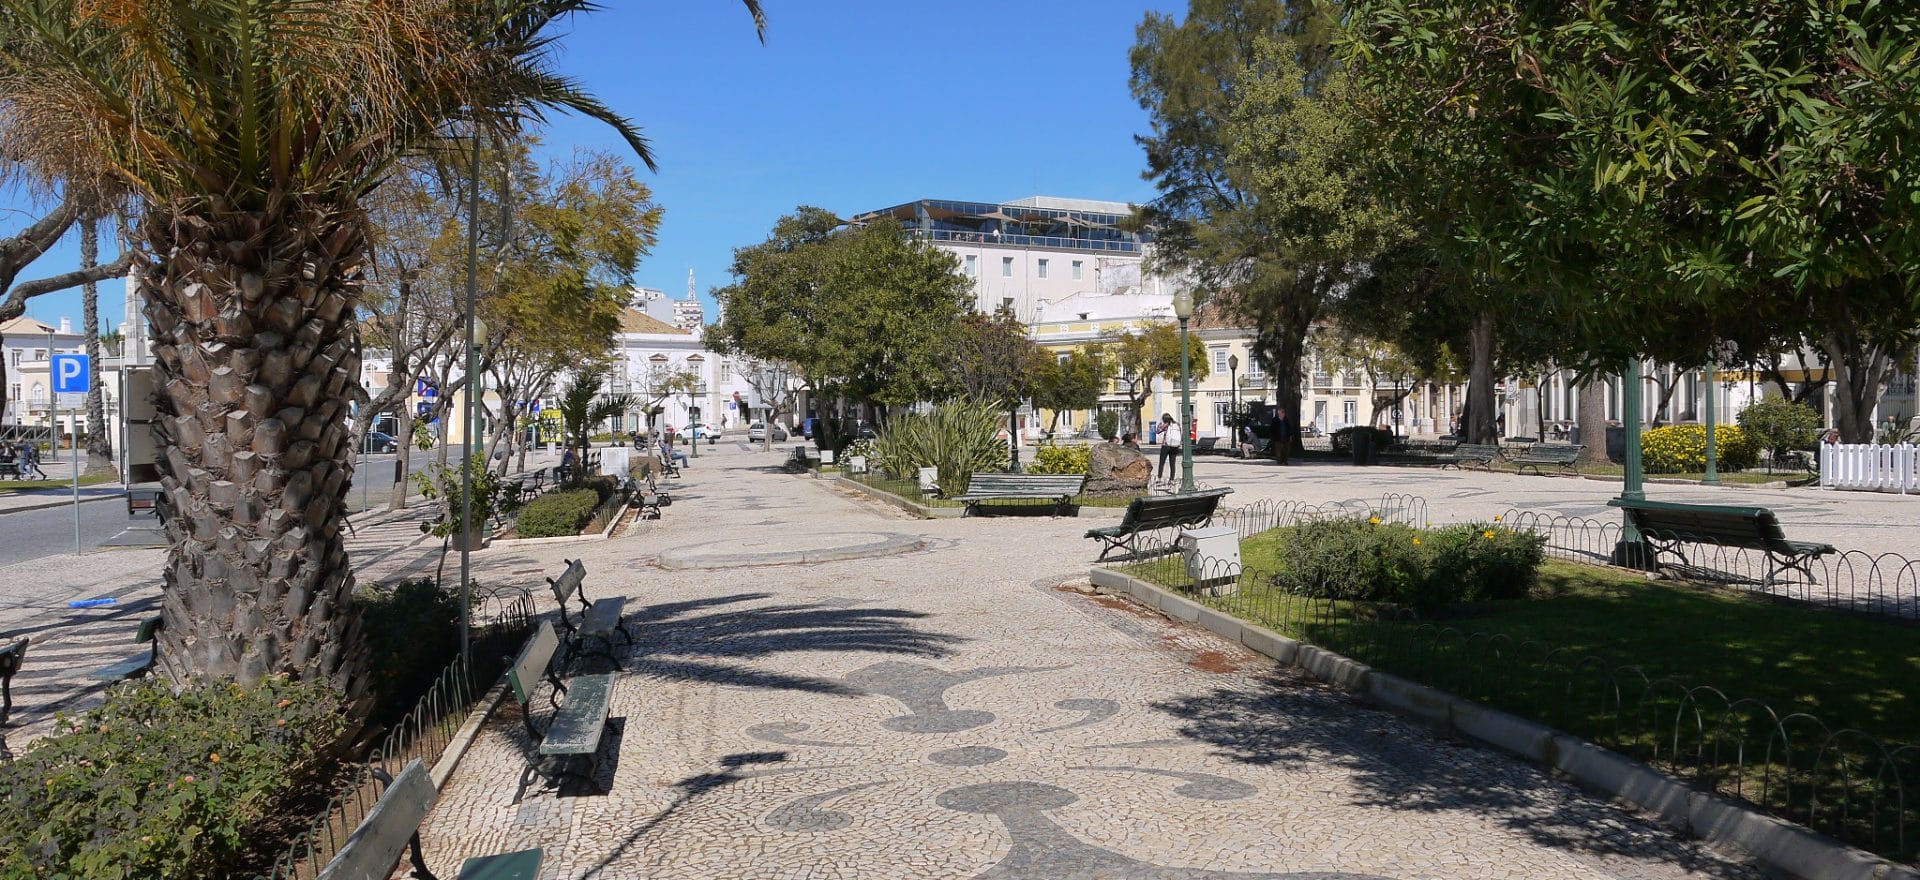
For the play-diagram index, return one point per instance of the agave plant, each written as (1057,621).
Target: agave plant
(958,438)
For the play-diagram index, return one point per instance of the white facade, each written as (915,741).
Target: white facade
(646,350)
(27,346)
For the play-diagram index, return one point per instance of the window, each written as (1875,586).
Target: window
(1220,359)
(1255,370)
(16,359)
(39,354)
(16,392)
(973,266)
(1076,270)
(726,371)
(1062,358)
(1222,417)
(1350,410)
(1006,302)
(39,393)
(1041,268)
(1006,267)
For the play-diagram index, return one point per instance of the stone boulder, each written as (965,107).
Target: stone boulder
(1114,469)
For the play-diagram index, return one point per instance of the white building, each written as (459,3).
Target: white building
(669,367)
(28,346)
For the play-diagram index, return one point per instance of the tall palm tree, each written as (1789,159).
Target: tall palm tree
(99,450)
(582,406)
(250,129)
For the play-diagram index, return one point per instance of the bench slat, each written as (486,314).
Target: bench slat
(576,729)
(522,865)
(526,671)
(375,847)
(602,616)
(568,581)
(127,668)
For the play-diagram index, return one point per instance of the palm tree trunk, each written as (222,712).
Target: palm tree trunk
(99,451)
(256,350)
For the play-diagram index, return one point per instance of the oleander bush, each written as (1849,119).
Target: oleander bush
(155,784)
(1682,449)
(412,629)
(557,513)
(1061,460)
(1366,560)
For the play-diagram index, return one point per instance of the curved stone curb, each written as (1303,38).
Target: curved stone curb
(725,554)
(1780,846)
(1082,511)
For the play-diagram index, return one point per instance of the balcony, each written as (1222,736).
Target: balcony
(1050,242)
(1323,380)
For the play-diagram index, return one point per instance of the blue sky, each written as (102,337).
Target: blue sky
(850,105)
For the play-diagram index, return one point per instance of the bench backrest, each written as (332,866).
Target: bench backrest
(531,665)
(147,628)
(568,582)
(1476,450)
(1053,484)
(376,845)
(1554,452)
(1159,511)
(1702,523)
(11,657)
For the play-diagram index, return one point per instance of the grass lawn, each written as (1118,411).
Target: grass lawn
(8,487)
(1850,671)
(910,490)
(1753,477)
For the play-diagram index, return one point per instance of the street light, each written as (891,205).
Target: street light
(1183,309)
(1233,387)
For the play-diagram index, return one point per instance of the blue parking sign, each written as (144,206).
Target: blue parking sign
(71,373)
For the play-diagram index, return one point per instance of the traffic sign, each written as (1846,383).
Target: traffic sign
(71,373)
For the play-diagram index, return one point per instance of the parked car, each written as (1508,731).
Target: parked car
(380,443)
(757,433)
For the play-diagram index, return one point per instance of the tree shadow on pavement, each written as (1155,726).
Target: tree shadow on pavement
(702,641)
(1286,720)
(691,789)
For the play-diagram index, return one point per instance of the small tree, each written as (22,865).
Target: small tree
(1067,383)
(582,405)
(1144,355)
(1780,426)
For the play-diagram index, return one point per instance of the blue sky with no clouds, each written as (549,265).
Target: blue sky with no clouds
(850,105)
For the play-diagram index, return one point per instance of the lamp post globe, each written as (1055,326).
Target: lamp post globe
(1183,309)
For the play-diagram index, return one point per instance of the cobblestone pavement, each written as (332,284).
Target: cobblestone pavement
(962,711)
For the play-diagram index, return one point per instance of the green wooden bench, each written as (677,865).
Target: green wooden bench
(597,619)
(1058,488)
(11,657)
(574,732)
(1151,513)
(1667,525)
(1466,455)
(392,828)
(1541,455)
(139,664)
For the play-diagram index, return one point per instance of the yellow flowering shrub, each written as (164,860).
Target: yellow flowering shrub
(1682,449)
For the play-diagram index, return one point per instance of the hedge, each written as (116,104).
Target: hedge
(557,513)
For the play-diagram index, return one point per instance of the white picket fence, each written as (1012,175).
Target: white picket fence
(1870,467)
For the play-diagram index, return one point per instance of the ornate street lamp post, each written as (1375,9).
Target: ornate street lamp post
(1183,309)
(1233,386)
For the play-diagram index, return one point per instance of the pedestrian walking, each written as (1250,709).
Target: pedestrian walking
(30,462)
(1169,449)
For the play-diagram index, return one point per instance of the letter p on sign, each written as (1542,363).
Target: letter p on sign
(70,373)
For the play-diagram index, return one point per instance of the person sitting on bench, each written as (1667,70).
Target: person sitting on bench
(668,453)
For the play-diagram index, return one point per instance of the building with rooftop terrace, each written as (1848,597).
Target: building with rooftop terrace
(1026,254)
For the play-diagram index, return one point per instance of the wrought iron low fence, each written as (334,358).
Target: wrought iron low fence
(425,733)
(1851,580)
(1845,782)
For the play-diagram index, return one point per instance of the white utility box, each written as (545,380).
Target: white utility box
(856,464)
(929,481)
(614,460)
(1213,558)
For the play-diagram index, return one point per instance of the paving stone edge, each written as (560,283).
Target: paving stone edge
(1779,846)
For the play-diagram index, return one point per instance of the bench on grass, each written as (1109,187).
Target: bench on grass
(575,730)
(11,657)
(597,620)
(1150,513)
(1666,525)
(1541,455)
(1466,455)
(139,664)
(392,828)
(1058,488)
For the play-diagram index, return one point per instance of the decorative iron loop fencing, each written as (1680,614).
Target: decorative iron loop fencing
(1844,782)
(425,733)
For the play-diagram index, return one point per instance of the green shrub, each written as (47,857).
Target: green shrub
(1371,561)
(1061,460)
(1107,422)
(1343,438)
(958,438)
(557,513)
(1780,426)
(412,630)
(158,785)
(1682,449)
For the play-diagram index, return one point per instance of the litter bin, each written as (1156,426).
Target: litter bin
(1363,453)
(1212,556)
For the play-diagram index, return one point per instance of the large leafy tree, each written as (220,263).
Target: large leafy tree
(864,313)
(1068,382)
(1141,356)
(251,131)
